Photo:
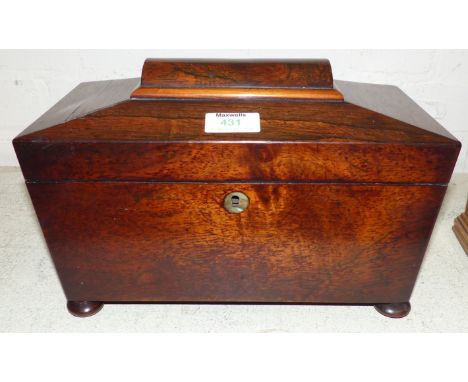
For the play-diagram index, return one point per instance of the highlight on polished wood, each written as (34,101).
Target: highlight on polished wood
(395,310)
(84,308)
(216,93)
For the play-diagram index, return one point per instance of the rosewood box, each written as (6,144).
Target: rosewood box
(237,181)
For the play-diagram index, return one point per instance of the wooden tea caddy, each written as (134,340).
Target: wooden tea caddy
(341,187)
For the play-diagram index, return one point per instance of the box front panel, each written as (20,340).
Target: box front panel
(317,243)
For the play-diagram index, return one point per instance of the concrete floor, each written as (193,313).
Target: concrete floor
(31,299)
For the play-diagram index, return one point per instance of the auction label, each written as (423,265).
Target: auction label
(232,123)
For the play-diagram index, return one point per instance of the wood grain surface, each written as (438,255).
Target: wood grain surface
(228,162)
(313,73)
(295,243)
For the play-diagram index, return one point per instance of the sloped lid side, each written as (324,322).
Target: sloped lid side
(391,101)
(83,100)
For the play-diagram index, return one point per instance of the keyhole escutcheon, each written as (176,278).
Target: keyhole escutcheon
(236,202)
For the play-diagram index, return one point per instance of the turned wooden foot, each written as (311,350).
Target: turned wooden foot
(395,310)
(84,308)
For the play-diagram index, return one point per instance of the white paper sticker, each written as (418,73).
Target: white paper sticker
(232,123)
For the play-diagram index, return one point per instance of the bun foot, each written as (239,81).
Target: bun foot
(396,310)
(84,308)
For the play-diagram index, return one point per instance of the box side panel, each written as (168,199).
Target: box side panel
(299,243)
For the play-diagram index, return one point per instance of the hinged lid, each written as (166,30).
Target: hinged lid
(313,129)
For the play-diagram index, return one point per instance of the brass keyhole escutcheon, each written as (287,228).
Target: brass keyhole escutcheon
(236,202)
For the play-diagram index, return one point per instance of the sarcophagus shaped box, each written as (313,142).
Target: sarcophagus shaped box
(237,181)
